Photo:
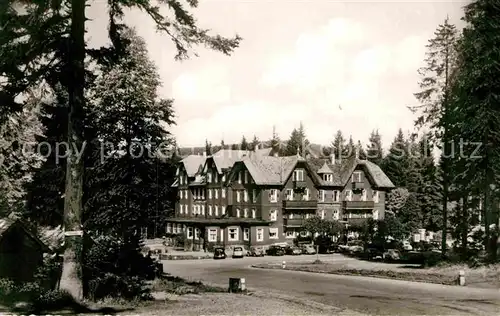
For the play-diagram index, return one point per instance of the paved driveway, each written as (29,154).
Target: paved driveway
(367,295)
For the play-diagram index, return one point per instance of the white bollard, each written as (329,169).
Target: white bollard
(461,278)
(243,285)
(283,265)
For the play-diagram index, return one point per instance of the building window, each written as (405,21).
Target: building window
(169,228)
(233,234)
(210,210)
(223,177)
(212,235)
(203,194)
(376,196)
(305,197)
(363,195)
(222,235)
(216,193)
(290,216)
(260,234)
(245,213)
(298,175)
(273,195)
(223,193)
(202,209)
(273,216)
(289,194)
(246,233)
(196,233)
(375,215)
(322,214)
(273,233)
(245,180)
(238,196)
(335,196)
(209,193)
(223,210)
(209,177)
(290,234)
(321,195)
(216,210)
(190,233)
(328,177)
(238,212)
(335,214)
(308,215)
(181,208)
(254,196)
(245,195)
(193,210)
(348,195)
(239,177)
(253,213)
(356,176)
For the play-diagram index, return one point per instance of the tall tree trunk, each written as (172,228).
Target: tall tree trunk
(486,212)
(465,226)
(71,278)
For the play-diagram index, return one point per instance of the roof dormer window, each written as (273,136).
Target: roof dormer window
(328,177)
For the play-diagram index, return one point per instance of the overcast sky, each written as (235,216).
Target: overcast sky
(298,61)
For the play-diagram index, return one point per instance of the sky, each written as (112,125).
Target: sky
(348,65)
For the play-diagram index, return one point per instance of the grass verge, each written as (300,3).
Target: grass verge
(484,277)
(179,286)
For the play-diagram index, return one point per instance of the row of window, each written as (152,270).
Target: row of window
(214,177)
(233,234)
(200,209)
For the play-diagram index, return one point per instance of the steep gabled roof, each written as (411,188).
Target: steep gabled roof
(192,164)
(225,158)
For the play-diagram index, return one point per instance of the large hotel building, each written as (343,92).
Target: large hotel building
(251,198)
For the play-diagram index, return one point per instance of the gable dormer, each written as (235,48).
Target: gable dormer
(325,173)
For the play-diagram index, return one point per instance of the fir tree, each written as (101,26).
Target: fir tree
(395,163)
(244,144)
(208,147)
(374,152)
(339,146)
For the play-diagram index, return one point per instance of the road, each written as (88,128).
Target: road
(372,296)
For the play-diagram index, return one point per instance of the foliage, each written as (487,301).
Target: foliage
(317,225)
(339,147)
(395,164)
(244,144)
(374,151)
(396,200)
(115,267)
(297,143)
(208,147)
(255,142)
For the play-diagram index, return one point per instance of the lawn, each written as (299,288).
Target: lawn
(484,277)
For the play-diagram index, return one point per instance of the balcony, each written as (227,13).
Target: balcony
(358,205)
(300,204)
(293,222)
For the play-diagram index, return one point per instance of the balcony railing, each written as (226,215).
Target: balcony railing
(300,204)
(291,222)
(357,205)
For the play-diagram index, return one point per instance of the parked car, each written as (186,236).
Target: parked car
(275,251)
(238,252)
(256,252)
(294,251)
(219,253)
(308,250)
(391,255)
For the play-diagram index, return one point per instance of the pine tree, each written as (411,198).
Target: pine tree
(222,145)
(297,143)
(339,146)
(434,98)
(244,144)
(350,148)
(361,151)
(374,150)
(396,162)
(46,26)
(474,113)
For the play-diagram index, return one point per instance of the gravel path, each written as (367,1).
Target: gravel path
(238,304)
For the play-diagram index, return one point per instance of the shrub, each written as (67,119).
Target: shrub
(114,267)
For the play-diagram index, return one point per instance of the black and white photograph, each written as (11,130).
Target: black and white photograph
(250,157)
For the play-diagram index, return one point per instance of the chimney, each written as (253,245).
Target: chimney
(332,159)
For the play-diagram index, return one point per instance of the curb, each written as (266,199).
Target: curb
(174,257)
